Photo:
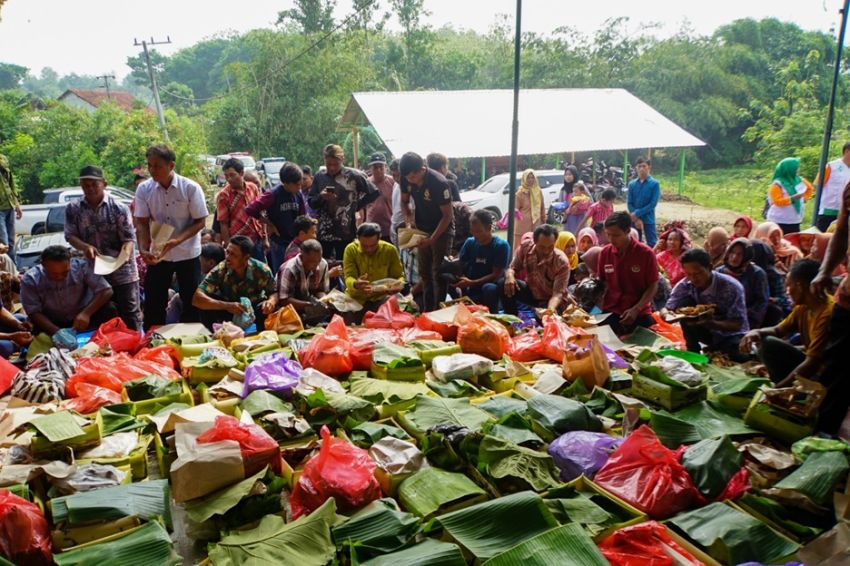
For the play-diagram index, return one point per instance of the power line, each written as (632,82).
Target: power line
(106,83)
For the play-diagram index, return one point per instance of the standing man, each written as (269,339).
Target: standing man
(432,198)
(306,185)
(440,163)
(336,195)
(169,199)
(10,206)
(99,225)
(232,209)
(630,273)
(398,213)
(644,193)
(282,205)
(835,178)
(380,211)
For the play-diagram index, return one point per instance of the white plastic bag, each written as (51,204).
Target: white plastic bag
(460,366)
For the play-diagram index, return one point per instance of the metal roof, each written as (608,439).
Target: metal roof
(477,123)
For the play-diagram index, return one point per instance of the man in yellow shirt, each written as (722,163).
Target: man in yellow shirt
(810,317)
(369,259)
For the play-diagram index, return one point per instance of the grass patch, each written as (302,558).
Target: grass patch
(741,189)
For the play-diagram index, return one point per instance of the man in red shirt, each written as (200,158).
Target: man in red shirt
(231,205)
(630,273)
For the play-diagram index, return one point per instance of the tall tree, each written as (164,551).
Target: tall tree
(310,16)
(11,75)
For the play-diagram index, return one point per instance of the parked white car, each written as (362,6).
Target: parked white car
(492,195)
(35,215)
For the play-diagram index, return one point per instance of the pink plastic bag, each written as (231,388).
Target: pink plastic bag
(330,351)
(340,470)
(118,336)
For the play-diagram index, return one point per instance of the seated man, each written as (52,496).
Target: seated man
(15,332)
(303,280)
(211,255)
(629,271)
(369,259)
(305,229)
(547,272)
(239,275)
(65,293)
(484,258)
(810,318)
(723,331)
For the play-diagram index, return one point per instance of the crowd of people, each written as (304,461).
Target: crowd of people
(400,227)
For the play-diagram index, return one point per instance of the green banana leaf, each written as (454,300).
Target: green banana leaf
(378,528)
(392,356)
(259,402)
(429,552)
(501,406)
(147,545)
(151,387)
(221,501)
(168,409)
(799,523)
(567,544)
(602,404)
(495,526)
(58,426)
(432,411)
(430,349)
(516,468)
(118,422)
(580,509)
(802,448)
(514,428)
(306,541)
(380,391)
(711,464)
(366,434)
(817,477)
(147,500)
(328,408)
(738,386)
(733,537)
(696,422)
(428,491)
(455,388)
(560,415)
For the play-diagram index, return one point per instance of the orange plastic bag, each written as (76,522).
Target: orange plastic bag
(340,470)
(330,351)
(363,342)
(645,544)
(556,335)
(526,347)
(649,476)
(478,334)
(389,315)
(164,354)
(433,321)
(284,321)
(407,335)
(120,338)
(585,359)
(24,536)
(258,448)
(672,332)
(113,371)
(90,398)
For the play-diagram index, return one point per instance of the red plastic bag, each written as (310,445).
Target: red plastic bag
(24,536)
(446,330)
(363,342)
(164,354)
(482,335)
(389,315)
(556,335)
(8,371)
(113,371)
(90,398)
(649,476)
(340,470)
(643,545)
(330,351)
(737,486)
(118,336)
(526,347)
(407,335)
(257,447)
(672,332)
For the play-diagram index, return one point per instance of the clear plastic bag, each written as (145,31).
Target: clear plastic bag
(227,332)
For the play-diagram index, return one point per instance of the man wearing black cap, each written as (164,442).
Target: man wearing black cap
(99,225)
(380,211)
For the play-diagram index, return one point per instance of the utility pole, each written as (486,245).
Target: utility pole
(514,124)
(154,86)
(106,83)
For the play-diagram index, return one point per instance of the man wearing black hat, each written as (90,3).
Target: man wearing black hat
(99,225)
(380,211)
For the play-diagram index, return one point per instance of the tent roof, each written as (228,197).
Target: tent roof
(477,123)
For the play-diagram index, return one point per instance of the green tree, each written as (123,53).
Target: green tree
(11,75)
(310,16)
(177,96)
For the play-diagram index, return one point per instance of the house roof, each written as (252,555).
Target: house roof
(96,97)
(477,123)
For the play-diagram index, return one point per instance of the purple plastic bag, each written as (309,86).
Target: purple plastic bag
(582,452)
(273,372)
(614,359)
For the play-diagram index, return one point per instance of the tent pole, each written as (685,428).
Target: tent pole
(626,167)
(682,170)
(483,169)
(593,169)
(827,131)
(514,125)
(354,146)
(572,158)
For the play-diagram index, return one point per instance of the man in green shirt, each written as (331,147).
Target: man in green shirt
(10,206)
(369,259)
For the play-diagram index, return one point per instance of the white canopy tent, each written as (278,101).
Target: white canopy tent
(477,123)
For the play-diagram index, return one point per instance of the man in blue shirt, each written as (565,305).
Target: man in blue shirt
(484,258)
(644,193)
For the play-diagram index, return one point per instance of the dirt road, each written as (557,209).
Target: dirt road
(699,218)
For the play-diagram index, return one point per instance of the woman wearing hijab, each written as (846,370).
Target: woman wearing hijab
(587,239)
(715,245)
(566,242)
(738,263)
(786,195)
(529,204)
(742,228)
(570,179)
(779,305)
(579,204)
(673,242)
(591,258)
(785,253)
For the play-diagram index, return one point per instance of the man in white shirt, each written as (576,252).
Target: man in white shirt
(169,199)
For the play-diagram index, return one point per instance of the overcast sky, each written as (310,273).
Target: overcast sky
(96,36)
